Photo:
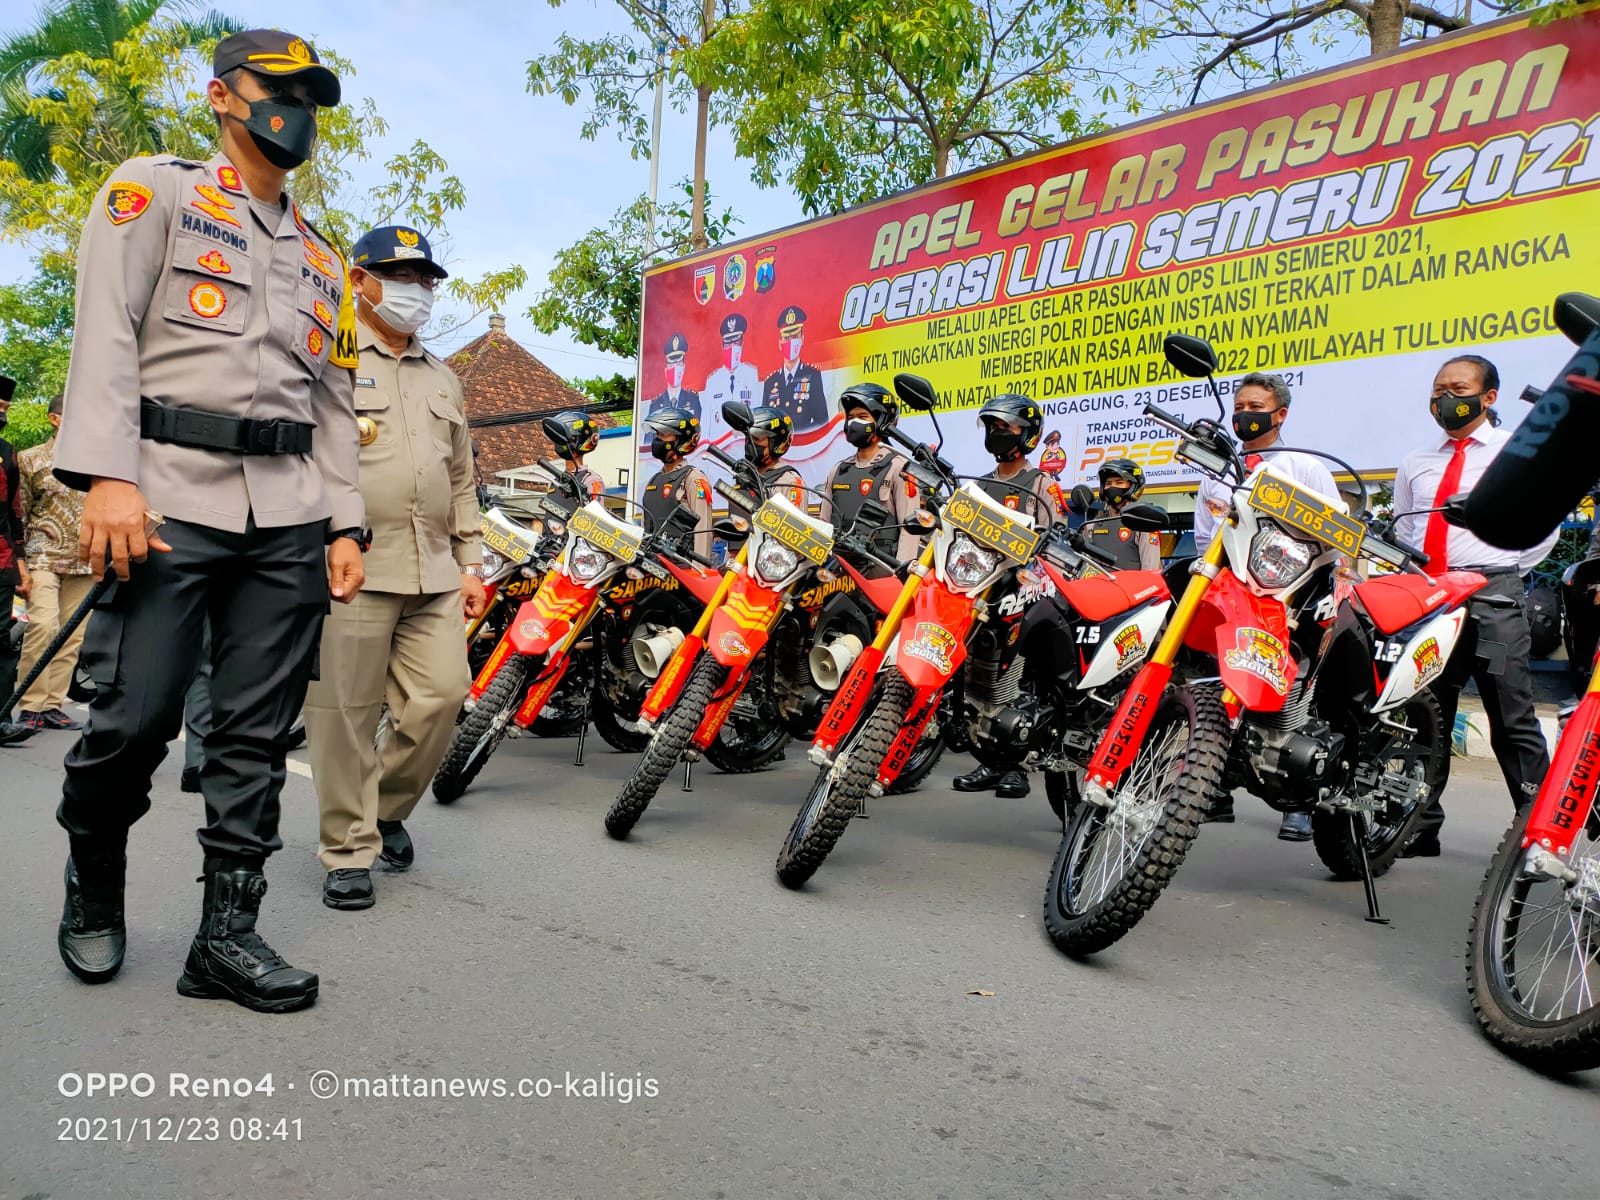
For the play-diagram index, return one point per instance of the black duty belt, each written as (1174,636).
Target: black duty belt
(218,431)
(1490,572)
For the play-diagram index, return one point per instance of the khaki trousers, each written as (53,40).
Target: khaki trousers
(412,652)
(55,598)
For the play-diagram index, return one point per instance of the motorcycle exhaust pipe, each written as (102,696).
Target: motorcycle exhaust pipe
(830,663)
(651,653)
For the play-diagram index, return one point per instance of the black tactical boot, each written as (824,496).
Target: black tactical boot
(92,937)
(228,960)
(982,779)
(398,851)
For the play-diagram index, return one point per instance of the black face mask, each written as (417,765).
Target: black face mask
(663,449)
(759,453)
(289,144)
(1456,412)
(1115,498)
(860,432)
(1005,444)
(1248,426)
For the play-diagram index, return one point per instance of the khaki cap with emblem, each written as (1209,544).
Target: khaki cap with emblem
(274,53)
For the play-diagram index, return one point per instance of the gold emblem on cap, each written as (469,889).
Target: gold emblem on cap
(299,51)
(407,237)
(369,430)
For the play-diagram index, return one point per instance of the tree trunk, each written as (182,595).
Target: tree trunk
(1385,24)
(697,214)
(941,159)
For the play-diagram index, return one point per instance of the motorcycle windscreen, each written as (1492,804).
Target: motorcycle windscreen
(1249,636)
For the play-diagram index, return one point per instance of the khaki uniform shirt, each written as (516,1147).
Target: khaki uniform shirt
(416,470)
(897,494)
(191,294)
(52,512)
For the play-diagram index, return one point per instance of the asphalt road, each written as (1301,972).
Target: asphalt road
(1253,1037)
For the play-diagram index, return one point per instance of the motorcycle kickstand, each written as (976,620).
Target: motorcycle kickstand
(583,733)
(1359,835)
(688,767)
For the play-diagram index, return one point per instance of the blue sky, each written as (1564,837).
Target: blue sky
(454,75)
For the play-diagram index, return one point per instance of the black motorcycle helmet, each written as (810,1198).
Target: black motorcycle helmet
(878,403)
(997,418)
(676,431)
(1125,469)
(580,433)
(771,432)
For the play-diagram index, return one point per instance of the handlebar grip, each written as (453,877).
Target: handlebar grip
(697,558)
(722,456)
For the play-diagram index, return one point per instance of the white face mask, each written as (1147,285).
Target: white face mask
(405,307)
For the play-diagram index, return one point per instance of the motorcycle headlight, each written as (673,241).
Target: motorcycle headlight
(586,561)
(775,561)
(1278,560)
(492,562)
(968,564)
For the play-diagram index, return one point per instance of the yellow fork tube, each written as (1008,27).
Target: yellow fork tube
(1183,616)
(897,611)
(717,600)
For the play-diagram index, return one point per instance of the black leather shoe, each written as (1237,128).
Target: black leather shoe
(1295,827)
(230,961)
(398,851)
(981,780)
(1424,845)
(92,937)
(13,733)
(348,887)
(189,781)
(54,718)
(1221,812)
(1012,786)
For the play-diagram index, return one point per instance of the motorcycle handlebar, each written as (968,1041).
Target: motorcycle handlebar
(1170,420)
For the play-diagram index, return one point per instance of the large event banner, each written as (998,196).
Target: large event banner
(1350,231)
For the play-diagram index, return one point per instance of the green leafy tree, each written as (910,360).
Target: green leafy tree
(667,40)
(612,392)
(595,286)
(36,333)
(848,100)
(27,424)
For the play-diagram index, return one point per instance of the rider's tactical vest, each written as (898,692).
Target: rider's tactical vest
(853,485)
(1017,492)
(662,494)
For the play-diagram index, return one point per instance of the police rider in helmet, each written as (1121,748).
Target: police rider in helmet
(676,432)
(771,432)
(874,471)
(1011,428)
(1121,483)
(582,436)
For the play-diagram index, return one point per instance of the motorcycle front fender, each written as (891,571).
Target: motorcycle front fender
(1249,637)
(933,636)
(739,629)
(542,622)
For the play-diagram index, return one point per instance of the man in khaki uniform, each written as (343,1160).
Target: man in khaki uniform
(211,382)
(875,472)
(402,640)
(52,512)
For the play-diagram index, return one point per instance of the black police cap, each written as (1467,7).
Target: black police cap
(274,53)
(396,245)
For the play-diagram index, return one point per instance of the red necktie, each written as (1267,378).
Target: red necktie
(1435,543)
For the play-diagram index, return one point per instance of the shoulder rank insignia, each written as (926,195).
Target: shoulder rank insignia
(228,177)
(214,204)
(126,201)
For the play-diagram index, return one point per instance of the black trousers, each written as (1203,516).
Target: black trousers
(10,645)
(265,593)
(1493,652)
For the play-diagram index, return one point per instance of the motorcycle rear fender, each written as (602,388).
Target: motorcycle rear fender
(549,616)
(1249,637)
(1425,650)
(739,629)
(933,636)
(923,705)
(849,702)
(1567,794)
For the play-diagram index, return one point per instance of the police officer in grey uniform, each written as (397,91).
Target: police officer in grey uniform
(679,483)
(211,382)
(873,472)
(675,395)
(795,388)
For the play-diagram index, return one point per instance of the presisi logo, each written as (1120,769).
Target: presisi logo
(1146,454)
(1578,793)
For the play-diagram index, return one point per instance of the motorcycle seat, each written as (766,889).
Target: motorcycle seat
(1101,597)
(1395,601)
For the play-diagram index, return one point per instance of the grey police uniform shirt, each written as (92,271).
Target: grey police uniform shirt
(191,297)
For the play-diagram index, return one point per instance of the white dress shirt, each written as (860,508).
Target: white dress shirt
(1417,483)
(1304,469)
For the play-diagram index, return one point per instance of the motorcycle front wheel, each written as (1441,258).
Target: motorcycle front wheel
(666,746)
(1419,758)
(837,792)
(1533,956)
(484,728)
(1115,862)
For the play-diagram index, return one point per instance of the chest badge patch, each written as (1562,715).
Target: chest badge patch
(207,300)
(319,258)
(322,313)
(314,341)
(228,177)
(126,201)
(666,491)
(866,487)
(214,204)
(368,429)
(213,261)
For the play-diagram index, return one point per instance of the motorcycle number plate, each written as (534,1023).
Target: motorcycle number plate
(1012,536)
(505,542)
(618,541)
(1306,512)
(803,540)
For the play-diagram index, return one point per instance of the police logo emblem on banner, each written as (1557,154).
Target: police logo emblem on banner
(766,268)
(125,201)
(705,283)
(733,278)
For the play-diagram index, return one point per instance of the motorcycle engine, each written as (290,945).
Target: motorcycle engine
(1290,768)
(1005,720)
